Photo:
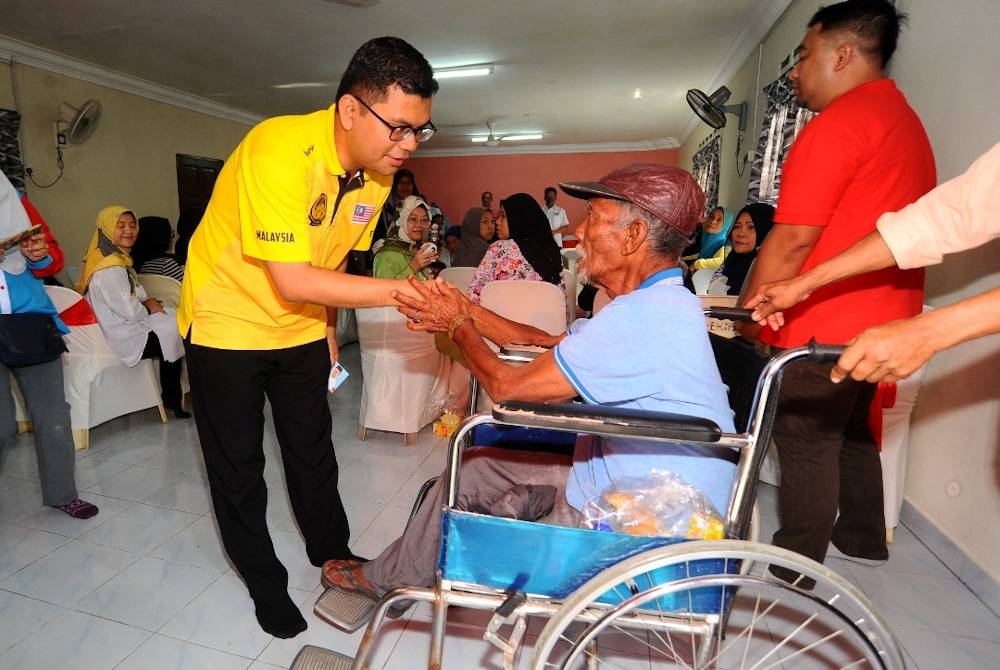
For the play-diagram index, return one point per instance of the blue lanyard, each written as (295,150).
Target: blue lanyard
(660,276)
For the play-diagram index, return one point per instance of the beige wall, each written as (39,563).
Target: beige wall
(129,160)
(946,66)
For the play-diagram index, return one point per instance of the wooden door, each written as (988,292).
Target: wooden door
(195,180)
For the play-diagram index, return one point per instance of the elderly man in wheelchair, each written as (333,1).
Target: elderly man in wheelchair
(654,402)
(647,350)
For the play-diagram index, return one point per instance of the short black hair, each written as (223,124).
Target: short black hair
(550,188)
(384,62)
(875,24)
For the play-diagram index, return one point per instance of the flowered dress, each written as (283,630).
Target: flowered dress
(503,260)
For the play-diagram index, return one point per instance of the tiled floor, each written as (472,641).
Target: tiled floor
(145,584)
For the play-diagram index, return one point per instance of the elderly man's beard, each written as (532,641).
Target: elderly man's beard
(582,268)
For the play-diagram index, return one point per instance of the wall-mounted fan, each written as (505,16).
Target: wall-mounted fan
(74,125)
(712,109)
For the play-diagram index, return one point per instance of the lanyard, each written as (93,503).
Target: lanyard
(670,273)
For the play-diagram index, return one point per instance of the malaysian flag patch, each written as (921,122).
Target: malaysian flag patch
(362,214)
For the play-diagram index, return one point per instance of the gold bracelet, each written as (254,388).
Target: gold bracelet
(455,323)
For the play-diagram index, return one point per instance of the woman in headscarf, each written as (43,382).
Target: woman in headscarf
(26,307)
(404,253)
(149,255)
(712,243)
(525,248)
(135,325)
(752,225)
(478,231)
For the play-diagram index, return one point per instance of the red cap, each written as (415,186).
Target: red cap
(667,192)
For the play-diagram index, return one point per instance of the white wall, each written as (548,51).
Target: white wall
(946,65)
(129,160)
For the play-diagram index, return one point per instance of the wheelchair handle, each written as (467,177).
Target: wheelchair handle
(824,353)
(730,313)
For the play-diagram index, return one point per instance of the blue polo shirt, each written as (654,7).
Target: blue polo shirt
(647,350)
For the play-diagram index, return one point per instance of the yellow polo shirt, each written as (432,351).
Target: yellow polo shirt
(276,199)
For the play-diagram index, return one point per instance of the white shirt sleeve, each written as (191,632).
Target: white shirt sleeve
(960,214)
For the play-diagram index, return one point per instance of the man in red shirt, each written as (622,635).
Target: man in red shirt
(865,154)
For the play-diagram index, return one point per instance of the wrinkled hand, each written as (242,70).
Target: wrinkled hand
(153,305)
(35,248)
(771,298)
(438,305)
(885,353)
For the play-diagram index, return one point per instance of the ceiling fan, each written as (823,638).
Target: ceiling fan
(494,140)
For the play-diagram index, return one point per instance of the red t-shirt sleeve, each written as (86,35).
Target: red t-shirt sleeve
(821,164)
(55,253)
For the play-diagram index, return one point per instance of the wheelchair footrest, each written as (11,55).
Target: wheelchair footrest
(507,614)
(348,611)
(318,658)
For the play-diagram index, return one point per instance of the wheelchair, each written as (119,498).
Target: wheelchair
(621,601)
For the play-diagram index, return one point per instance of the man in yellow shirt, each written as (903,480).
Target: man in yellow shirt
(264,276)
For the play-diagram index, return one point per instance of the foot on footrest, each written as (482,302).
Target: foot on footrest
(318,658)
(348,611)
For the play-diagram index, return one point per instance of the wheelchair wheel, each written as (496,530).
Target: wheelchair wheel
(759,621)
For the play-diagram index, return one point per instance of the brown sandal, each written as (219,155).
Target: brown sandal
(349,579)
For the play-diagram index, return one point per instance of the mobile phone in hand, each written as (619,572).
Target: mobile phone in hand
(337,376)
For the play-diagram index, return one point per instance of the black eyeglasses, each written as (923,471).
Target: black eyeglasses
(400,133)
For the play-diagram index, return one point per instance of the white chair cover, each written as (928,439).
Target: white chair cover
(701,279)
(460,276)
(536,303)
(98,386)
(165,289)
(570,280)
(405,377)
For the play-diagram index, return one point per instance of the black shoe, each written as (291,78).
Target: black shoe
(179,413)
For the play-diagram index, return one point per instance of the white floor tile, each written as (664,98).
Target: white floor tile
(164,653)
(19,501)
(221,617)
(187,493)
(23,546)
(386,527)
(131,451)
(22,616)
(941,651)
(183,458)
(291,551)
(199,545)
(75,640)
(135,483)
(932,603)
(56,521)
(90,470)
(7,481)
(68,573)
(140,528)
(147,593)
(20,459)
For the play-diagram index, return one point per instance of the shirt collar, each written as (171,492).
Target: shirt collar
(674,274)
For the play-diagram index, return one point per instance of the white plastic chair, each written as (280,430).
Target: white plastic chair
(98,386)
(701,279)
(165,289)
(569,278)
(460,276)
(535,303)
(405,377)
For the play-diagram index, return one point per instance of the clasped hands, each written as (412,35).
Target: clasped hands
(439,305)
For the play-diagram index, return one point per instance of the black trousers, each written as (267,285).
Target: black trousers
(829,461)
(170,373)
(228,390)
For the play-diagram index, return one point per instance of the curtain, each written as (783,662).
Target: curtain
(783,119)
(706,163)
(10,149)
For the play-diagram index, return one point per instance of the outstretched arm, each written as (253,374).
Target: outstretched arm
(895,350)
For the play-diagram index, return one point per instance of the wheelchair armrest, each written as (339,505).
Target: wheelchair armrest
(514,354)
(602,420)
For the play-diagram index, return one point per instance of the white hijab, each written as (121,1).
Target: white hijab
(409,204)
(13,219)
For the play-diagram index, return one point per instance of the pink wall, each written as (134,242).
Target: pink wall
(455,182)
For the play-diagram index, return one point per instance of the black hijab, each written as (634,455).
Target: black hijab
(530,230)
(152,241)
(737,265)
